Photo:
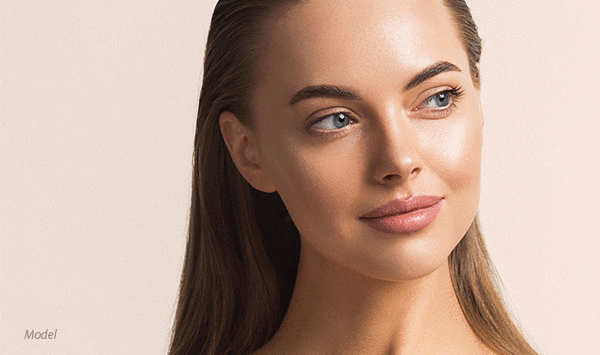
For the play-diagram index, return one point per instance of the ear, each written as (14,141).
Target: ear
(243,148)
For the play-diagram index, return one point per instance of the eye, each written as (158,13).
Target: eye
(332,122)
(441,99)
(441,103)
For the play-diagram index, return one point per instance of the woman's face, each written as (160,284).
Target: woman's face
(360,103)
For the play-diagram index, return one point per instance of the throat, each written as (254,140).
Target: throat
(336,310)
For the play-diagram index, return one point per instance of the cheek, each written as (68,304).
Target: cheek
(452,152)
(455,153)
(314,181)
(457,166)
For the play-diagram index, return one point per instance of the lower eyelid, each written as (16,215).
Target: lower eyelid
(442,111)
(323,117)
(330,132)
(453,99)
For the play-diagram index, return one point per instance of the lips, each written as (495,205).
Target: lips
(404,215)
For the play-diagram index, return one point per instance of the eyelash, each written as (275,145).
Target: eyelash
(331,132)
(455,94)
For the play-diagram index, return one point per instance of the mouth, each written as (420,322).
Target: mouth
(404,215)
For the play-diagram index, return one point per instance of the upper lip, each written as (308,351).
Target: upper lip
(403,205)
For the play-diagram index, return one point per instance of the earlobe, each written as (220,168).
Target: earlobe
(243,149)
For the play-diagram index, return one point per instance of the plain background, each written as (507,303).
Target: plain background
(98,105)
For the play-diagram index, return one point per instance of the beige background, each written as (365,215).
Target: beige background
(98,103)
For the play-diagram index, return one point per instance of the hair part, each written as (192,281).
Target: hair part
(238,274)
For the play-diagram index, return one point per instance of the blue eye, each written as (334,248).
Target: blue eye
(332,122)
(440,104)
(441,99)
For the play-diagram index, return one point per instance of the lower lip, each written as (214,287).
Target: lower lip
(406,222)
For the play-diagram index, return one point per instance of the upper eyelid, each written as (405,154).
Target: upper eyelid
(428,94)
(432,97)
(330,132)
(421,98)
(352,120)
(329,112)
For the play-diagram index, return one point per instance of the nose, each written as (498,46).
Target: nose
(395,151)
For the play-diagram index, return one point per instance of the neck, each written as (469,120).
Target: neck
(335,310)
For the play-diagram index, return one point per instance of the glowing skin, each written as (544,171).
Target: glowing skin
(360,290)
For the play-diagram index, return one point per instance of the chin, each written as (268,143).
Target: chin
(411,257)
(415,266)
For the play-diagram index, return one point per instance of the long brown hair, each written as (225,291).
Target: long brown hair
(239,273)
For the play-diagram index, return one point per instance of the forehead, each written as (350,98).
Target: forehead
(356,42)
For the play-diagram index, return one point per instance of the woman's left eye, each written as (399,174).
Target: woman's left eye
(441,99)
(441,102)
(332,122)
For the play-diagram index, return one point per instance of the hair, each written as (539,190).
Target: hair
(238,274)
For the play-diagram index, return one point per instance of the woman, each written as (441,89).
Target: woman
(336,184)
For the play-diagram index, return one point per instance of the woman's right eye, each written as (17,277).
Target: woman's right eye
(332,122)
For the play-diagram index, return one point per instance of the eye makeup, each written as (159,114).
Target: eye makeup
(445,100)
(436,105)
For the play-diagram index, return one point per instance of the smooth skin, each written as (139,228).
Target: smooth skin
(334,157)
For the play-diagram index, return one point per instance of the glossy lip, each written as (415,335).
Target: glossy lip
(404,215)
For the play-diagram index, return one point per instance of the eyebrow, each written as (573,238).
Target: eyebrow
(430,72)
(326,91)
(345,93)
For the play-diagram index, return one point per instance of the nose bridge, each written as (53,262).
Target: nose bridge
(395,154)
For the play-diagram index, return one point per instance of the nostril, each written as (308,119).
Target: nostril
(399,177)
(392,178)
